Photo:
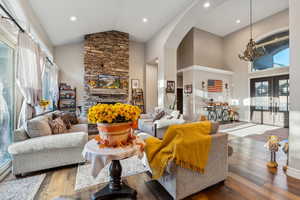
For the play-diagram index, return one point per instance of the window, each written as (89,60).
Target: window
(46,86)
(6,101)
(261,95)
(46,90)
(277,53)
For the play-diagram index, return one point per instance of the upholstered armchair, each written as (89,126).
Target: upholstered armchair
(157,127)
(180,182)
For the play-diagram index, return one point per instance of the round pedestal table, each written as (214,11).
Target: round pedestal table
(99,157)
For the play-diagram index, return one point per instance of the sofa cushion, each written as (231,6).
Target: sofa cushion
(20,135)
(49,143)
(78,128)
(38,126)
(57,126)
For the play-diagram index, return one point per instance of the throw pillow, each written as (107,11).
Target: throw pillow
(37,127)
(64,117)
(159,115)
(73,118)
(57,126)
(69,119)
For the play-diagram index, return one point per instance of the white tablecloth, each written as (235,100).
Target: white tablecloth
(99,157)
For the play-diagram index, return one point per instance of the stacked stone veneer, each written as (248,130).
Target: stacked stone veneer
(105,53)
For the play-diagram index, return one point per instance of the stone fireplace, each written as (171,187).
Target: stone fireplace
(106,66)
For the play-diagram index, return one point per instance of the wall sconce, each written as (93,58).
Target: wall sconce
(203,84)
(226,86)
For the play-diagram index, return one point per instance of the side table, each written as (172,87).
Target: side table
(115,188)
(100,157)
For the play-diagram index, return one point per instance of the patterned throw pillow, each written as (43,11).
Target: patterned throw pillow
(68,118)
(158,116)
(57,126)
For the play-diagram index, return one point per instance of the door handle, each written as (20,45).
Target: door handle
(276,108)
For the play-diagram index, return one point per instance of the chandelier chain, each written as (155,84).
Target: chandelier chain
(251,36)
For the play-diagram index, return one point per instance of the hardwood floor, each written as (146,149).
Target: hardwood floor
(248,178)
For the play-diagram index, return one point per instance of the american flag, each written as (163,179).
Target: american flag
(214,85)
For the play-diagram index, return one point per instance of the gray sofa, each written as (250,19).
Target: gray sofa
(45,152)
(181,182)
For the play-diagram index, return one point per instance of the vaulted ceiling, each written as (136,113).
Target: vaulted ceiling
(127,16)
(103,15)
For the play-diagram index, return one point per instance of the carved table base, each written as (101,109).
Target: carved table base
(115,188)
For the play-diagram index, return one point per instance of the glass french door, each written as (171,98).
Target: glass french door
(270,100)
(6,102)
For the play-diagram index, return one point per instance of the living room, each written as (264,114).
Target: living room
(186,99)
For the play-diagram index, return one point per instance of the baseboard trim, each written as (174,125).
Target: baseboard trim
(292,172)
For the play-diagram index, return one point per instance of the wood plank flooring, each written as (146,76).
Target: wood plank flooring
(248,179)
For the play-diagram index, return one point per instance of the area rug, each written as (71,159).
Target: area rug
(21,189)
(130,166)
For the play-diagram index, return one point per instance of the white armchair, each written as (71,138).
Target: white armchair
(181,183)
(157,128)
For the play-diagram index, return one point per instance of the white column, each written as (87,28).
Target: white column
(294,135)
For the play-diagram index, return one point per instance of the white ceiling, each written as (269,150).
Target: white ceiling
(126,15)
(222,20)
(103,15)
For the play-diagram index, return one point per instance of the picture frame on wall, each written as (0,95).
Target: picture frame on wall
(135,83)
(170,87)
(188,89)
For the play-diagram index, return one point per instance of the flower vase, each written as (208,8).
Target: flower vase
(114,134)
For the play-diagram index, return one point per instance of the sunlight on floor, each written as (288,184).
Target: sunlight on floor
(249,129)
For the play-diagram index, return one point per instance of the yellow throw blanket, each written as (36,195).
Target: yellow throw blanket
(188,145)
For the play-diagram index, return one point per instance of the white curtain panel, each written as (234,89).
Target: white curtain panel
(28,75)
(43,63)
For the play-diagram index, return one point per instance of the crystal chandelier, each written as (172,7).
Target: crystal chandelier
(252,52)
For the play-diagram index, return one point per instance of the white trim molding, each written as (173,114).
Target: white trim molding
(270,72)
(206,69)
(292,172)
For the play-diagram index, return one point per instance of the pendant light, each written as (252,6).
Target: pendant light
(252,52)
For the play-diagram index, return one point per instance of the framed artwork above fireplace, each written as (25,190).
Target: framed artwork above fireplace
(109,82)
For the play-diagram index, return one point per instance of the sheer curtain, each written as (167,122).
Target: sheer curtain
(54,90)
(28,76)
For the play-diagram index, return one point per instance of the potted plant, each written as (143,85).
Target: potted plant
(114,122)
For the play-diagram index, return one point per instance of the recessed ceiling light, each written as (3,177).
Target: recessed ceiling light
(145,20)
(206,4)
(73,18)
(238,21)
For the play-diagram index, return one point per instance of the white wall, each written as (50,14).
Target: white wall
(137,64)
(151,87)
(294,135)
(70,59)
